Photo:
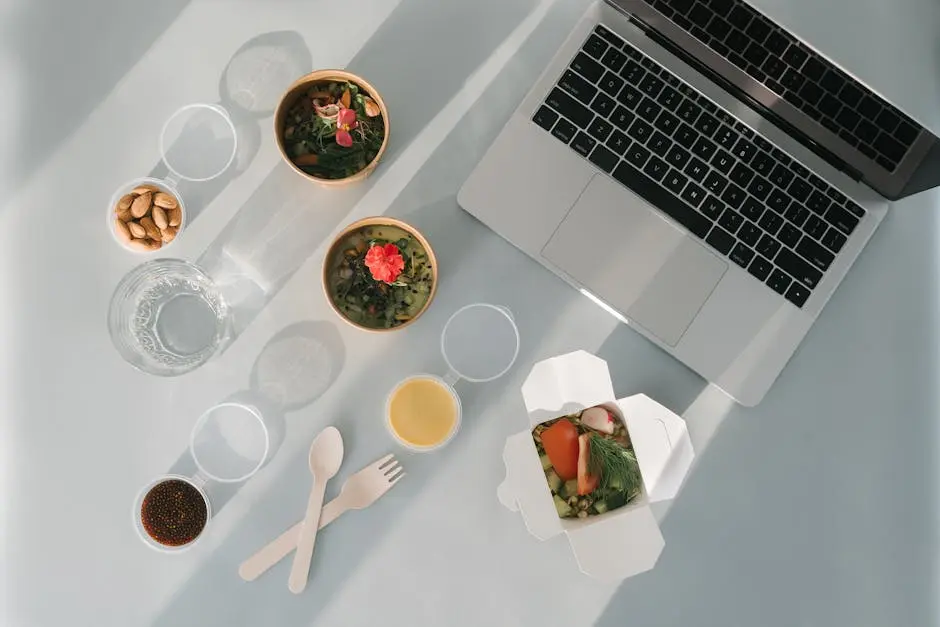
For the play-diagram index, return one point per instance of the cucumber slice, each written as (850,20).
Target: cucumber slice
(563,509)
(569,489)
(554,481)
(546,464)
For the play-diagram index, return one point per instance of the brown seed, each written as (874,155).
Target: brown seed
(159,217)
(143,189)
(174,216)
(137,230)
(141,205)
(154,244)
(152,231)
(125,202)
(140,245)
(123,233)
(125,216)
(169,234)
(162,199)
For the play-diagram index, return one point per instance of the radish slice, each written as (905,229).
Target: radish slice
(599,419)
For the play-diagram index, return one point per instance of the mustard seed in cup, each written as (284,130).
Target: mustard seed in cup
(174,513)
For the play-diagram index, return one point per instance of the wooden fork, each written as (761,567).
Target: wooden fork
(360,491)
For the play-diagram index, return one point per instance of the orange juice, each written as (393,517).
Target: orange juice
(423,412)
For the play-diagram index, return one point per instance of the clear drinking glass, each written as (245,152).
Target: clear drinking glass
(167,317)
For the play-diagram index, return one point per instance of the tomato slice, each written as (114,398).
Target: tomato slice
(561,445)
(587,482)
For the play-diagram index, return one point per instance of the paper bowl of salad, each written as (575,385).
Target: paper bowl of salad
(589,465)
(380,274)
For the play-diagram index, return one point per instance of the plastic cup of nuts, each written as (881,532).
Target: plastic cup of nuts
(198,143)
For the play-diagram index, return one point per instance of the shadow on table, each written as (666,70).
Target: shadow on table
(249,90)
(296,366)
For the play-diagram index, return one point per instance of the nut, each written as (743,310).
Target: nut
(162,199)
(152,231)
(143,189)
(122,230)
(174,216)
(140,245)
(125,203)
(125,216)
(136,230)
(154,244)
(371,106)
(169,234)
(141,205)
(159,217)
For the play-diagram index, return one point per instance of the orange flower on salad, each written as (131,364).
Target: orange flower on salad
(345,122)
(385,262)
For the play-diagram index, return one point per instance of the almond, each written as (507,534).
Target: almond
(143,189)
(162,199)
(152,231)
(140,245)
(125,216)
(169,234)
(154,244)
(136,230)
(123,233)
(125,202)
(174,216)
(141,205)
(159,217)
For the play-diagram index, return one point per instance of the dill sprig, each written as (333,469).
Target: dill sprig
(616,466)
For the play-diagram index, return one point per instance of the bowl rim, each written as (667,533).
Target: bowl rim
(378,221)
(319,76)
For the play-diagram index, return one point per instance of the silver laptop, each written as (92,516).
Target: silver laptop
(704,175)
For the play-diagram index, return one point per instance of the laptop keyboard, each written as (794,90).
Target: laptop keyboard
(682,153)
(805,79)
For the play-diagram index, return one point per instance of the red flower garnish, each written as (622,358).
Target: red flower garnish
(385,262)
(345,122)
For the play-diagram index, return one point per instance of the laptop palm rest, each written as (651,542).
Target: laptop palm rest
(630,257)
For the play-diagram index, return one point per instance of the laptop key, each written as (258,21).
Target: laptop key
(797,294)
(834,240)
(798,268)
(789,235)
(667,122)
(763,163)
(675,181)
(669,98)
(587,67)
(734,196)
(723,161)
(618,142)
(704,148)
(595,46)
(768,246)
(603,104)
(706,124)
(659,144)
(721,240)
(744,150)
(603,158)
(600,129)
(622,118)
(731,220)
(800,189)
(741,174)
(647,109)
(712,207)
(781,176)
(611,83)
(685,135)
(545,117)
(815,227)
(566,105)
(693,194)
(577,86)
(778,281)
(815,253)
(854,209)
(632,72)
(778,201)
(630,96)
(715,183)
(608,36)
(651,85)
(658,196)
(770,222)
(656,168)
(677,157)
(841,219)
(583,144)
(760,268)
(564,130)
(726,137)
(614,59)
(752,209)
(750,233)
(760,187)
(818,202)
(796,213)
(696,170)
(688,111)
(637,155)
(741,255)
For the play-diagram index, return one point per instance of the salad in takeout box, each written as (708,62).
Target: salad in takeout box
(642,453)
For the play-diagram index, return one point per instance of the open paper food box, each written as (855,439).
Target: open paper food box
(622,542)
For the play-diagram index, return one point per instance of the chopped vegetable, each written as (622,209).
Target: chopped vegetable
(561,445)
(587,482)
(598,419)
(562,507)
(554,481)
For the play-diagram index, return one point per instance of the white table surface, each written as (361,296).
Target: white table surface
(819,507)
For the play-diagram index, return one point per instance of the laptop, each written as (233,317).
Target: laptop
(702,174)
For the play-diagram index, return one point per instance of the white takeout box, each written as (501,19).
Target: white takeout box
(626,541)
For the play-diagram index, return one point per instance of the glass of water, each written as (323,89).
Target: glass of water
(167,317)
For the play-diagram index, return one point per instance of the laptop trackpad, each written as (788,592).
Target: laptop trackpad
(629,256)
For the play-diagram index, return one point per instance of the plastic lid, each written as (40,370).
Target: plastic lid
(198,142)
(230,442)
(480,342)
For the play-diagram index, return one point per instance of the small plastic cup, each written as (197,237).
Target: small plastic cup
(229,444)
(197,143)
(480,343)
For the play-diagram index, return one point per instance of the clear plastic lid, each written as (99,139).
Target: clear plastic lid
(230,442)
(480,343)
(198,142)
